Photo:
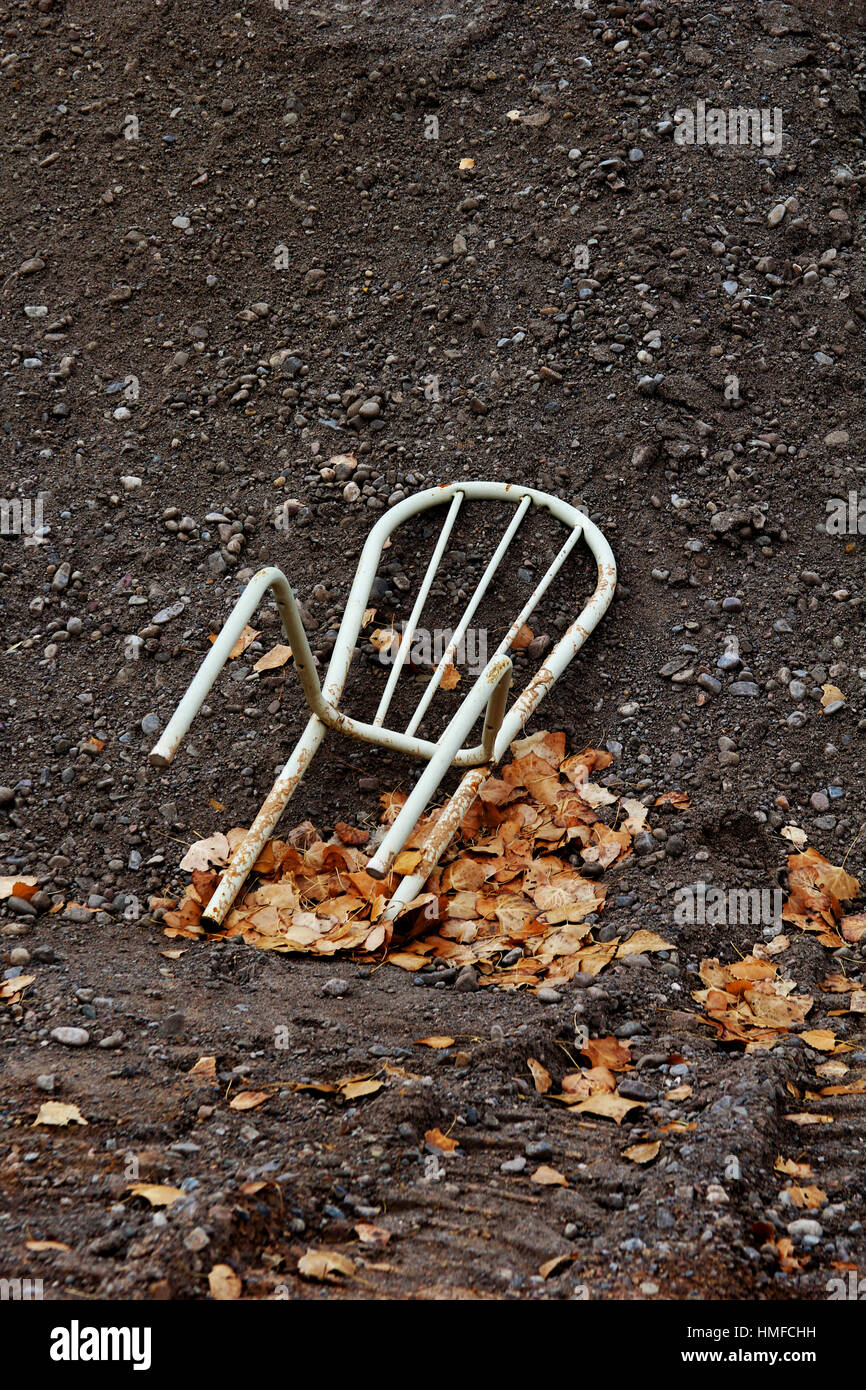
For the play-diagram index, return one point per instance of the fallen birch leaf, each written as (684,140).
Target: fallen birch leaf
(441,1141)
(609,1105)
(324,1264)
(246,639)
(224,1284)
(371,1235)
(643,1153)
(248,1100)
(540,1075)
(545,1176)
(54,1112)
(213,850)
(272,660)
(157,1194)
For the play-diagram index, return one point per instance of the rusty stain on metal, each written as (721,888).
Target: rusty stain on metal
(488,695)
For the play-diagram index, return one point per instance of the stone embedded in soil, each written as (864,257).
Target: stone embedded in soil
(71,1037)
(335,987)
(467,980)
(548,996)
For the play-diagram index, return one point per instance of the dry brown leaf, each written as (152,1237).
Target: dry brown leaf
(436,1041)
(450,677)
(324,1265)
(354,1090)
(805,1198)
(54,1112)
(157,1194)
(441,1141)
(608,1052)
(643,941)
(205,1066)
(369,1234)
(806,1118)
(38,1246)
(224,1284)
(247,637)
(545,1176)
(213,850)
(248,1100)
(20,886)
(820,1038)
(643,1153)
(522,638)
(609,1105)
(792,1169)
(272,660)
(540,1076)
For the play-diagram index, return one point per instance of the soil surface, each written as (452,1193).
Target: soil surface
(449,242)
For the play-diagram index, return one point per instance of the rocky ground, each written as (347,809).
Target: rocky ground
(238,241)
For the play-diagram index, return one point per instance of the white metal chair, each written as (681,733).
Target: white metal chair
(488,695)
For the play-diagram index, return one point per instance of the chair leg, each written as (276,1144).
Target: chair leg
(489,690)
(263,826)
(438,838)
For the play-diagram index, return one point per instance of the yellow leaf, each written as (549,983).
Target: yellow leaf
(324,1264)
(792,1169)
(434,1042)
(372,1235)
(276,657)
(643,1153)
(548,1177)
(353,1090)
(643,941)
(831,694)
(467,164)
(609,1105)
(156,1194)
(540,1075)
(441,1141)
(450,677)
(407,861)
(10,887)
(37,1246)
(522,638)
(224,1284)
(53,1112)
(205,1066)
(248,1100)
(247,637)
(805,1198)
(794,834)
(820,1038)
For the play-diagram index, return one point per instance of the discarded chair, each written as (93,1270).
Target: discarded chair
(488,695)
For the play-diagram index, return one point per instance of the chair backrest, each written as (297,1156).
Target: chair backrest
(577,525)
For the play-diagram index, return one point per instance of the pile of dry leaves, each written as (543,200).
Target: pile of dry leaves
(507,881)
